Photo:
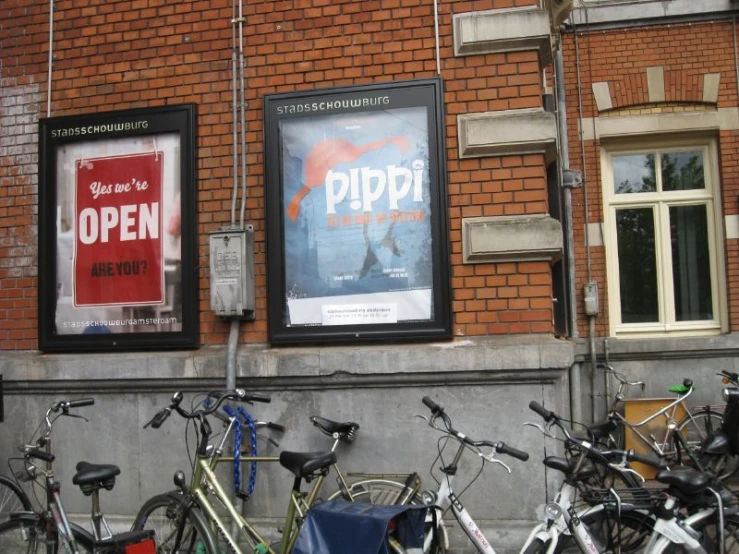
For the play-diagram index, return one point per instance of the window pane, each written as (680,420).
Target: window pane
(682,171)
(637,265)
(634,173)
(691,263)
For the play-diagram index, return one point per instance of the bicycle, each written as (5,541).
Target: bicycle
(192,518)
(694,427)
(375,488)
(719,452)
(445,499)
(709,511)
(49,530)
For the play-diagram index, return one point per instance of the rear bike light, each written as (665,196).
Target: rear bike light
(144,547)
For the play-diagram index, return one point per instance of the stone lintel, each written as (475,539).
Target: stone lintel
(602,95)
(526,131)
(503,30)
(511,239)
(656,83)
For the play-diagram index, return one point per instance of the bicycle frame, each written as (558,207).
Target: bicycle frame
(668,411)
(412,480)
(446,499)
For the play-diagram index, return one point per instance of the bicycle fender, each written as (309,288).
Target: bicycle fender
(196,514)
(539,532)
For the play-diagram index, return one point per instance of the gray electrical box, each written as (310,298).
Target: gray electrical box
(590,296)
(232,273)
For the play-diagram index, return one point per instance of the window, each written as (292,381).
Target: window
(662,240)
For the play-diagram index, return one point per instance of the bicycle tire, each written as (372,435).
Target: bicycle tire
(385,491)
(696,427)
(27,535)
(722,466)
(537,546)
(162,514)
(12,498)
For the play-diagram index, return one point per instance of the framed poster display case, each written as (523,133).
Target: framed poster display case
(117,230)
(356,214)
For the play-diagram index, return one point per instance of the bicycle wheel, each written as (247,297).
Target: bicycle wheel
(694,428)
(12,498)
(28,536)
(384,491)
(163,514)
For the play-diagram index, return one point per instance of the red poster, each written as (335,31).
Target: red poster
(118,230)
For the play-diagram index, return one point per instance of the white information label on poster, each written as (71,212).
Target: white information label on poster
(359,314)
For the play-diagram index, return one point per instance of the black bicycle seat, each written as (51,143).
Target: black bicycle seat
(91,477)
(303,464)
(346,431)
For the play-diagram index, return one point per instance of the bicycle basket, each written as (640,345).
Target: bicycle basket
(339,526)
(628,499)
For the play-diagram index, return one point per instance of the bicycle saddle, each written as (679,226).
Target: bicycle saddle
(602,430)
(303,464)
(346,431)
(92,477)
(568,466)
(686,479)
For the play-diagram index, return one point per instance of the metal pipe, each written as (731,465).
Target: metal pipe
(235,137)
(233,342)
(736,56)
(243,114)
(436,30)
(564,156)
(586,208)
(51,57)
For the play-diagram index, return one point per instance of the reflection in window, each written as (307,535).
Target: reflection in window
(637,265)
(663,256)
(691,268)
(634,173)
(682,171)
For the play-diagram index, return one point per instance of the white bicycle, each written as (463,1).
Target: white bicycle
(694,513)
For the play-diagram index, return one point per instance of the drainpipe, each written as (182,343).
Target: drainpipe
(51,57)
(238,127)
(237,26)
(564,159)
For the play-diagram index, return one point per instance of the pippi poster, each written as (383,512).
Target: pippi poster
(359,212)
(116,201)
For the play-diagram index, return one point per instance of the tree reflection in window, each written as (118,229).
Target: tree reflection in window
(682,171)
(637,265)
(634,173)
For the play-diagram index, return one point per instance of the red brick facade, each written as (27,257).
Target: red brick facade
(118,55)
(620,57)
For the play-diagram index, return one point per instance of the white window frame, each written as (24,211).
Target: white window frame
(661,201)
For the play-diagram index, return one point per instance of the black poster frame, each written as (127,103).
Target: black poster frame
(284,114)
(103,133)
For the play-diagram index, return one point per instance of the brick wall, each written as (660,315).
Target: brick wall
(113,55)
(621,57)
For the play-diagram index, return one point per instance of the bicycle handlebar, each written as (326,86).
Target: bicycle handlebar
(237,394)
(62,406)
(431,405)
(500,447)
(732,378)
(547,415)
(588,449)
